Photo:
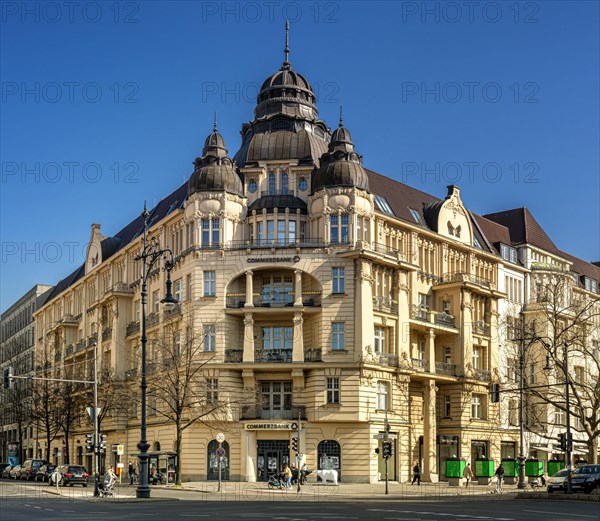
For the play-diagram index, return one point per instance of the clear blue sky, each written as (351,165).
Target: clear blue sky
(103,109)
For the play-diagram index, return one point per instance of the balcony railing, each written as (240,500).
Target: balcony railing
(482,374)
(69,350)
(132,327)
(445,368)
(384,304)
(419,364)
(106,334)
(280,301)
(444,319)
(234,356)
(273,355)
(57,357)
(389,359)
(466,277)
(92,340)
(387,250)
(256,412)
(70,320)
(313,354)
(152,319)
(481,328)
(287,242)
(80,346)
(419,312)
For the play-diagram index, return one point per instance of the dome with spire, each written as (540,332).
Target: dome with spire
(215,171)
(340,165)
(286,124)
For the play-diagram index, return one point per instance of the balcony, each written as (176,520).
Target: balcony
(481,328)
(282,300)
(120,288)
(80,346)
(106,334)
(290,242)
(69,350)
(92,340)
(438,318)
(385,304)
(389,359)
(152,319)
(387,250)
(463,277)
(256,412)
(57,357)
(445,368)
(70,320)
(482,374)
(444,319)
(313,354)
(234,356)
(419,364)
(132,327)
(273,355)
(419,312)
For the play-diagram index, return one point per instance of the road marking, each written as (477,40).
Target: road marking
(554,513)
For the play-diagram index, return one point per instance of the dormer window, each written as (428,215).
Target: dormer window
(508,253)
(252,186)
(382,205)
(590,285)
(453,231)
(284,184)
(416,216)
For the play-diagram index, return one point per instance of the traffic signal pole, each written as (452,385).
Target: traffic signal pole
(96,433)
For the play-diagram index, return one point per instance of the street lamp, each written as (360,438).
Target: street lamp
(569,440)
(150,256)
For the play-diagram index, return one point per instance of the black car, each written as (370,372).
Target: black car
(43,473)
(72,475)
(30,467)
(585,479)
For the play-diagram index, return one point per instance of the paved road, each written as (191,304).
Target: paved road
(19,502)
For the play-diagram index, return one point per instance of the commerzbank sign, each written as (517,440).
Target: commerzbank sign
(271,426)
(295,258)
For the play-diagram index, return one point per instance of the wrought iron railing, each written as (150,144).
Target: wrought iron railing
(481,328)
(482,374)
(286,242)
(384,304)
(273,355)
(466,277)
(152,319)
(445,368)
(69,350)
(234,356)
(80,346)
(418,312)
(256,412)
(419,364)
(389,359)
(132,327)
(106,334)
(444,319)
(313,354)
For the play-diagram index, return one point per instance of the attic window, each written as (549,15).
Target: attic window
(508,253)
(476,243)
(172,207)
(416,216)
(590,284)
(382,205)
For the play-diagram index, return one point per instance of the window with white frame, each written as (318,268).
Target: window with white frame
(337,275)
(188,287)
(379,343)
(210,283)
(513,413)
(333,390)
(532,373)
(339,229)
(382,395)
(477,357)
(363,225)
(210,338)
(212,390)
(477,403)
(155,301)
(178,290)
(447,354)
(338,336)
(177,344)
(210,235)
(559,416)
(277,338)
(447,405)
(137,310)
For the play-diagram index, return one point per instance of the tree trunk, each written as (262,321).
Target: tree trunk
(592,446)
(178,438)
(47,444)
(67,447)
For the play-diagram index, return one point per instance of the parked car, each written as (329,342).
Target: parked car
(30,467)
(6,471)
(73,475)
(14,472)
(556,482)
(43,473)
(585,479)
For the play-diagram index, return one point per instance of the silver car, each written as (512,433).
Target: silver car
(556,482)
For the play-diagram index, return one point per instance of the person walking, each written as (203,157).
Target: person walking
(136,472)
(416,474)
(499,478)
(287,475)
(131,470)
(468,474)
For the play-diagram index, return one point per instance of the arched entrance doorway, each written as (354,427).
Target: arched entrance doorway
(213,461)
(330,456)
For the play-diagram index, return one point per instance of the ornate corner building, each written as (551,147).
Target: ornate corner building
(337,297)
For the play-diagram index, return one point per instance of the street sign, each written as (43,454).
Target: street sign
(220,437)
(220,452)
(381,436)
(120,450)
(90,411)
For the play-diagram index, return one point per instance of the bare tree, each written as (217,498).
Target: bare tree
(179,389)
(567,321)
(68,411)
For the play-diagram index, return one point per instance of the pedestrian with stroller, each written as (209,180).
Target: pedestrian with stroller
(499,478)
(468,474)
(416,474)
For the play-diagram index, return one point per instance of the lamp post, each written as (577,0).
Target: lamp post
(151,254)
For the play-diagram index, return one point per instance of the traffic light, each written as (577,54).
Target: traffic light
(376,450)
(387,449)
(495,393)
(8,380)
(562,440)
(103,443)
(89,442)
(295,445)
(569,441)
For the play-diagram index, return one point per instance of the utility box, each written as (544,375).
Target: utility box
(511,470)
(484,470)
(534,468)
(454,471)
(554,466)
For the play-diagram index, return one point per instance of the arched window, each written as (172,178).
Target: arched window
(156,446)
(79,455)
(284,183)
(213,461)
(272,184)
(330,456)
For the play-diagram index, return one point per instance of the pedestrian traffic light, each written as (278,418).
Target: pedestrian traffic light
(103,443)
(569,441)
(562,440)
(387,449)
(89,442)
(295,445)
(495,393)
(8,378)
